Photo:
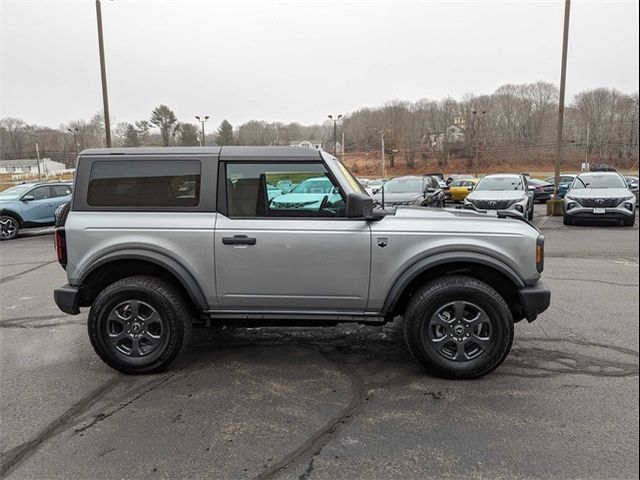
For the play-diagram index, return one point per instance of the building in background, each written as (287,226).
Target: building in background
(30,166)
(308,144)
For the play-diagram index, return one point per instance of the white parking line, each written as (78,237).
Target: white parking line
(542,222)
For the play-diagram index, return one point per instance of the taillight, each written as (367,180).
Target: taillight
(60,242)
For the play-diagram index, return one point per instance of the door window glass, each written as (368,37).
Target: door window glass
(282,190)
(145,183)
(40,193)
(61,190)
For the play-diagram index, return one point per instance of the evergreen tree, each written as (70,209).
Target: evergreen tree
(188,134)
(225,134)
(131,138)
(164,118)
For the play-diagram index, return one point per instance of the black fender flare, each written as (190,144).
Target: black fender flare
(424,264)
(178,270)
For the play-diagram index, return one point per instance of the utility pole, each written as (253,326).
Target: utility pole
(202,122)
(382,145)
(586,152)
(554,207)
(342,147)
(478,119)
(35,140)
(103,73)
(335,133)
(74,131)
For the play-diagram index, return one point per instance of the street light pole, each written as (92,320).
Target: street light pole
(103,74)
(335,133)
(202,122)
(74,131)
(556,204)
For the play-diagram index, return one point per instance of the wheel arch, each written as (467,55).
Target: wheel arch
(495,273)
(121,264)
(13,214)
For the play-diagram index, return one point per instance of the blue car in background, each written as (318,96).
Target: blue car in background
(30,205)
(565,182)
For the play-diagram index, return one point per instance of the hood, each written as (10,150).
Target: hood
(600,193)
(459,218)
(391,198)
(496,195)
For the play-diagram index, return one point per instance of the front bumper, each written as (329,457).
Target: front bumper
(616,213)
(535,299)
(67,299)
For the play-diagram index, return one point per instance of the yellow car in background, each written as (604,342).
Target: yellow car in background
(459,189)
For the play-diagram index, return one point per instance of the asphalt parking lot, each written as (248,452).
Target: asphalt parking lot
(343,402)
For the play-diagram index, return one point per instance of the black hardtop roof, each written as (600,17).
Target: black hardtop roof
(223,153)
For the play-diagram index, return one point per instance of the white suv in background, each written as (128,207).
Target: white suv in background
(598,196)
(502,192)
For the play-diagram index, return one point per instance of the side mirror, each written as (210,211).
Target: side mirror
(359,205)
(532,188)
(28,198)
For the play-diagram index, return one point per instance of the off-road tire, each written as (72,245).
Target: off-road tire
(425,303)
(165,299)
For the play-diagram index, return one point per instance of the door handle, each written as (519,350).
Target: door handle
(238,240)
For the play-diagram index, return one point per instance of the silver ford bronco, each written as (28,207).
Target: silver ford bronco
(156,240)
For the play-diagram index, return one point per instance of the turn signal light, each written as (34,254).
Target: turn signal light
(540,254)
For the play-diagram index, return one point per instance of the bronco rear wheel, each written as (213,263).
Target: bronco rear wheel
(458,327)
(139,324)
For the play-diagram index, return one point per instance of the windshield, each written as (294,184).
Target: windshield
(496,184)
(14,192)
(403,185)
(599,181)
(314,185)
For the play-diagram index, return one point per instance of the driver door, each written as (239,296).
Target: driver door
(296,251)
(38,206)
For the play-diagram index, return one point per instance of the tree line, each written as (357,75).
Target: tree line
(516,121)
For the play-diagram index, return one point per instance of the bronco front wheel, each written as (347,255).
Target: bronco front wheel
(458,327)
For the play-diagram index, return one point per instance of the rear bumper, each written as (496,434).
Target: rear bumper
(535,299)
(67,299)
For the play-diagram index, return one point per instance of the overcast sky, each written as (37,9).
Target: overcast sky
(297,61)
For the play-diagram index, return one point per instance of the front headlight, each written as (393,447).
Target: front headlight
(573,199)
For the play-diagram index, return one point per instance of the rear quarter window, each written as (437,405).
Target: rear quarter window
(144,183)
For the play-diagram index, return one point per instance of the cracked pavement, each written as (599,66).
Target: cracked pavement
(330,403)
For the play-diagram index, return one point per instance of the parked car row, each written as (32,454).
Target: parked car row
(602,194)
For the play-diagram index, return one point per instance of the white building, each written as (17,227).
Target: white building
(453,135)
(308,144)
(30,166)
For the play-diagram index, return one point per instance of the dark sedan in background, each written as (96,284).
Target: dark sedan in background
(411,190)
(542,190)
